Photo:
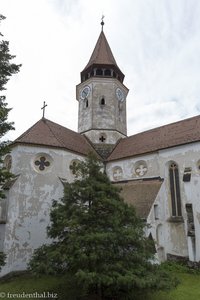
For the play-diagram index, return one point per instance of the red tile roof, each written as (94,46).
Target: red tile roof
(47,133)
(171,135)
(141,194)
(102,53)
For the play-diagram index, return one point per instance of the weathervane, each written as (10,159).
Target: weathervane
(43,108)
(102,22)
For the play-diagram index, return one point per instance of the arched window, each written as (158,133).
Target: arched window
(175,190)
(86,103)
(102,101)
(7,164)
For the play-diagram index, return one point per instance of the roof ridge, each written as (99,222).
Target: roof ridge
(59,125)
(163,126)
(108,48)
(50,134)
(27,131)
(92,145)
(167,136)
(60,141)
(101,42)
(117,143)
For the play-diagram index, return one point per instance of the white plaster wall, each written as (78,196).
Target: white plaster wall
(157,225)
(184,156)
(109,117)
(171,237)
(30,200)
(111,136)
(129,165)
(31,196)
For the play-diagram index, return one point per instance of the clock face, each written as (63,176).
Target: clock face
(85,92)
(120,94)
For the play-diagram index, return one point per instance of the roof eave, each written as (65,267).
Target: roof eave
(16,143)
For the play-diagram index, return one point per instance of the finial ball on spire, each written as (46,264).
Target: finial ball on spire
(102,22)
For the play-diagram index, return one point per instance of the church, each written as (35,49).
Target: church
(158,170)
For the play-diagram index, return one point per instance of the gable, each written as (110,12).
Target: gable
(48,133)
(141,194)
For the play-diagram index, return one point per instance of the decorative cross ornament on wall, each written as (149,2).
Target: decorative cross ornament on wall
(42,163)
(141,170)
(73,167)
(102,138)
(117,174)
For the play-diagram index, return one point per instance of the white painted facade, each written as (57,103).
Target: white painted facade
(29,201)
(170,233)
(100,112)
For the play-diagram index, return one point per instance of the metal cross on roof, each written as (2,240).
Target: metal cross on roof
(43,108)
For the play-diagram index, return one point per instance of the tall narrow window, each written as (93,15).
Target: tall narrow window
(86,103)
(3,211)
(102,101)
(175,190)
(190,219)
(156,211)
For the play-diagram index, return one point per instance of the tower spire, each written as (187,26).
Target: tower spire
(102,22)
(102,62)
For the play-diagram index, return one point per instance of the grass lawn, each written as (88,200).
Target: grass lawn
(27,284)
(188,289)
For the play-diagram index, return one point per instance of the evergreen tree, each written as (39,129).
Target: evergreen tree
(7,69)
(99,240)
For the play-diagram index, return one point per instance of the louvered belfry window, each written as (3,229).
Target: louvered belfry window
(175,190)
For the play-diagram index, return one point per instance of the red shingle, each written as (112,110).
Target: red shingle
(141,194)
(47,133)
(179,133)
(102,53)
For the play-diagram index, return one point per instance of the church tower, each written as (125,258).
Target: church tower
(102,99)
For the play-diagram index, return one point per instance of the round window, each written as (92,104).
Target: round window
(42,162)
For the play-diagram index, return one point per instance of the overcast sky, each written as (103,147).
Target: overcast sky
(156,44)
